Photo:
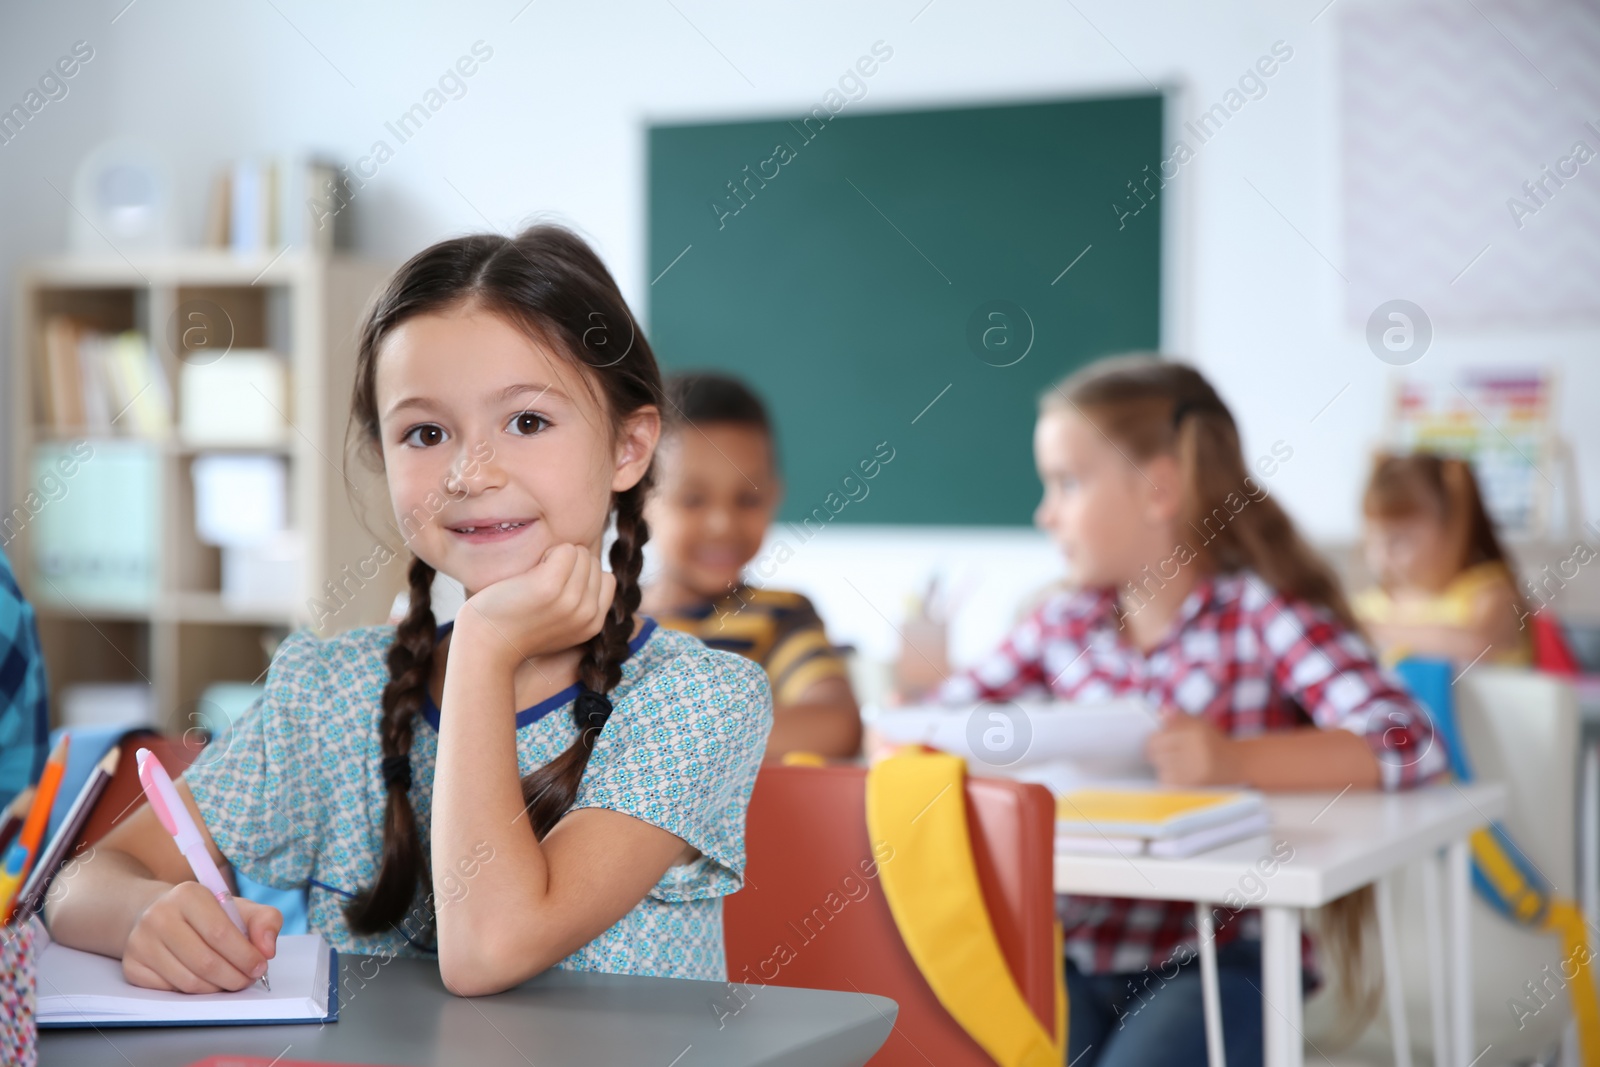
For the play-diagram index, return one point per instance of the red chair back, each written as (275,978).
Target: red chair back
(813,913)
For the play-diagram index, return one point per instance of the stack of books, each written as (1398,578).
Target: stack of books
(1166,823)
(102,384)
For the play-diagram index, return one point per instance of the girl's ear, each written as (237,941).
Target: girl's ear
(1162,488)
(641,431)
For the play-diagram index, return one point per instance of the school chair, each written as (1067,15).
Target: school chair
(1518,727)
(814,912)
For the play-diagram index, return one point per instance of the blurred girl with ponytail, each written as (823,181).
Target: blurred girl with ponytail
(551,779)
(1191,587)
(1444,584)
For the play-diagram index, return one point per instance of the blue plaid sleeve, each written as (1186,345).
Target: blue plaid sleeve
(24,695)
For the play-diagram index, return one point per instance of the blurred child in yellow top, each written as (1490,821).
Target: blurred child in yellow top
(718,490)
(1445,586)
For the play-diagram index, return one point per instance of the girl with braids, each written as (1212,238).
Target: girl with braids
(551,779)
(1191,587)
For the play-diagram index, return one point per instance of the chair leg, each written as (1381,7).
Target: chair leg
(1460,889)
(1389,938)
(1210,991)
(1438,975)
(1589,835)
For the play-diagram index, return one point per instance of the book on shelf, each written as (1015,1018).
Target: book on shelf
(266,204)
(94,538)
(103,385)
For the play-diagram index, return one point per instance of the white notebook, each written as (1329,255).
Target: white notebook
(82,989)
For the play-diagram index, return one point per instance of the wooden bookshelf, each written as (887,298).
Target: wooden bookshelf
(307,309)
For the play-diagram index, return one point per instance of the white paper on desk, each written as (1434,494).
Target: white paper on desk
(1097,740)
(81,988)
(239,500)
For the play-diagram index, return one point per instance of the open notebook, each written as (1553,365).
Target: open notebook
(82,989)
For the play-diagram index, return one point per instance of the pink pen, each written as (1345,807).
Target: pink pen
(175,819)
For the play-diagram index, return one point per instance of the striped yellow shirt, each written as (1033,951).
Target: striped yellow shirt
(779,630)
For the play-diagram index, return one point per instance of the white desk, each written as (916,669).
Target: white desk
(1340,844)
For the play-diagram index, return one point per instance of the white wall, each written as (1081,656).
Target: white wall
(553,124)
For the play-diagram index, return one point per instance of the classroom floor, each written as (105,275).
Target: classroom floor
(1374,1048)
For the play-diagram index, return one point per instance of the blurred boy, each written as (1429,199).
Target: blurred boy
(717,490)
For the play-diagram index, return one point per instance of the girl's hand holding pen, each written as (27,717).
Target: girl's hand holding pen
(184,941)
(180,943)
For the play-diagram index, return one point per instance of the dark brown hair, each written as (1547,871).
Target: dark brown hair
(706,396)
(1147,407)
(549,283)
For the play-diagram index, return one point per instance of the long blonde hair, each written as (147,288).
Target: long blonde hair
(1149,407)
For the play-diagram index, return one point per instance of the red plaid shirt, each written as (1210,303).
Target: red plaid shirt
(1249,659)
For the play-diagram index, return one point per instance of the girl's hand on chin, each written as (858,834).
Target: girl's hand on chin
(557,604)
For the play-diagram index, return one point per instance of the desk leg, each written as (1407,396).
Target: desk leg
(1458,858)
(1438,973)
(1280,985)
(1210,992)
(1589,835)
(1389,938)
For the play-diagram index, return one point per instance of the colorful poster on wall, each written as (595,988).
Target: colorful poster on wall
(1500,420)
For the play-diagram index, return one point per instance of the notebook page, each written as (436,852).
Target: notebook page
(77,985)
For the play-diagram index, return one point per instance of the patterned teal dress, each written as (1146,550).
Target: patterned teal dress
(294,795)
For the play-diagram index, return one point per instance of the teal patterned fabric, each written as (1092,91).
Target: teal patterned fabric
(294,795)
(24,696)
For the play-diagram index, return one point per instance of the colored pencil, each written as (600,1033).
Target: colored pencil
(26,846)
(11,821)
(60,848)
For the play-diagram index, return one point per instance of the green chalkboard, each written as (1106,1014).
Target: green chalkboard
(858,269)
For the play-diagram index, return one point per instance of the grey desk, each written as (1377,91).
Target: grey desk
(396,1011)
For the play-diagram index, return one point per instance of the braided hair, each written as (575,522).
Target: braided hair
(549,283)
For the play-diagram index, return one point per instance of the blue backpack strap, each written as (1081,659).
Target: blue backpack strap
(1429,680)
(1501,872)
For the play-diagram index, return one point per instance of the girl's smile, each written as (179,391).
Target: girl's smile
(489,530)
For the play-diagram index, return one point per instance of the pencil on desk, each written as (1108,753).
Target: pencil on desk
(11,820)
(22,850)
(31,899)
